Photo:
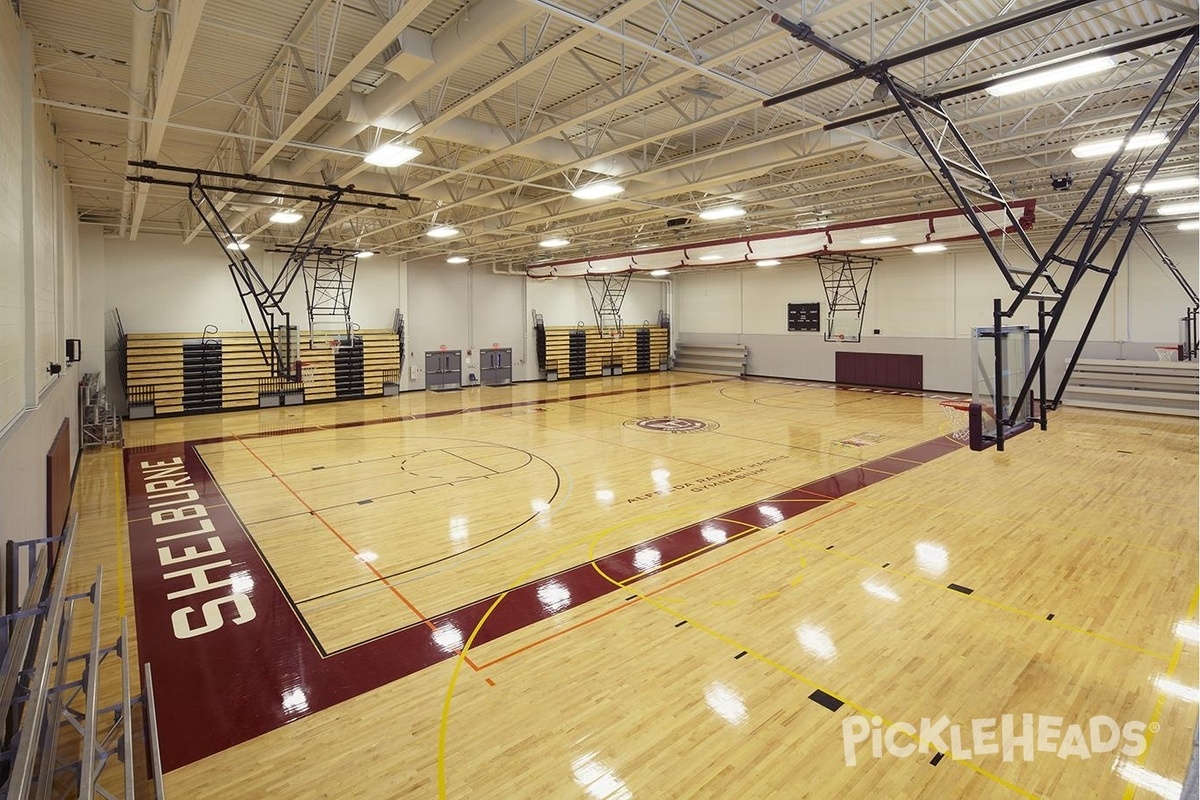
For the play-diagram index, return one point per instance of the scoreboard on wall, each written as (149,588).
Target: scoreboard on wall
(804,316)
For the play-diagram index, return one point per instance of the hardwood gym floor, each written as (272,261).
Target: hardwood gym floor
(658,585)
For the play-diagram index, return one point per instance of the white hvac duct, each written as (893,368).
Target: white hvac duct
(144,14)
(480,25)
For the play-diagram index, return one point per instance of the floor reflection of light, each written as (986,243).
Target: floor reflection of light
(660,476)
(1176,689)
(932,558)
(713,535)
(647,559)
(242,582)
(816,642)
(726,703)
(598,780)
(1150,781)
(366,556)
(1188,630)
(605,495)
(448,637)
(539,506)
(879,590)
(771,512)
(295,701)
(458,528)
(554,596)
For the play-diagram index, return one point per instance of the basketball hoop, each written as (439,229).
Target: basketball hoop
(307,374)
(841,337)
(1167,352)
(334,346)
(958,415)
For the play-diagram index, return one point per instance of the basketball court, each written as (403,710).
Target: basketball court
(643,584)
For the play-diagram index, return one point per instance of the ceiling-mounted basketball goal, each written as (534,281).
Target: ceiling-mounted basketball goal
(328,272)
(1046,277)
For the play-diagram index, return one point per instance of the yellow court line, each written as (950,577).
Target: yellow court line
(1176,654)
(863,710)
(120,525)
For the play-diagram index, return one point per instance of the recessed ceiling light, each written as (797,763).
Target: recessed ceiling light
(286,217)
(457,260)
(391,155)
(554,241)
(1045,77)
(659,273)
(1164,185)
(877,240)
(443,232)
(722,212)
(1175,209)
(768,262)
(363,254)
(930,247)
(1106,147)
(595,191)
(1190,225)
(237,246)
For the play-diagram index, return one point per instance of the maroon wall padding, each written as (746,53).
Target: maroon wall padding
(58,483)
(890,370)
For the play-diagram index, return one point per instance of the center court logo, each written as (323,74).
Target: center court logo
(1009,735)
(672,424)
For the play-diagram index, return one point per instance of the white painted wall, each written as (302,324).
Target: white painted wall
(39,296)
(928,305)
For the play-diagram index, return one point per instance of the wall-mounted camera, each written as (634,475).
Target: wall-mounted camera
(53,368)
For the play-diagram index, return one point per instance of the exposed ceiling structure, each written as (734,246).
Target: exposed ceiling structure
(516,104)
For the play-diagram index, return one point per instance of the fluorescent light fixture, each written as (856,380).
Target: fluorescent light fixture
(595,191)
(237,246)
(768,262)
(1160,185)
(363,254)
(722,212)
(660,273)
(1045,77)
(1175,209)
(457,260)
(877,240)
(1104,147)
(554,241)
(710,257)
(443,232)
(1190,225)
(391,155)
(286,217)
(929,247)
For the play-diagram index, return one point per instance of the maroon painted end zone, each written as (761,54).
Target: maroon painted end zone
(231,659)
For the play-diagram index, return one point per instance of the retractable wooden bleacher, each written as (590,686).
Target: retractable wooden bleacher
(577,352)
(1154,387)
(157,360)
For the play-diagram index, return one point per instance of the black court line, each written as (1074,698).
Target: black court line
(827,700)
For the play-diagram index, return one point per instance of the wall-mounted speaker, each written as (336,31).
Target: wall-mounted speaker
(74,351)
